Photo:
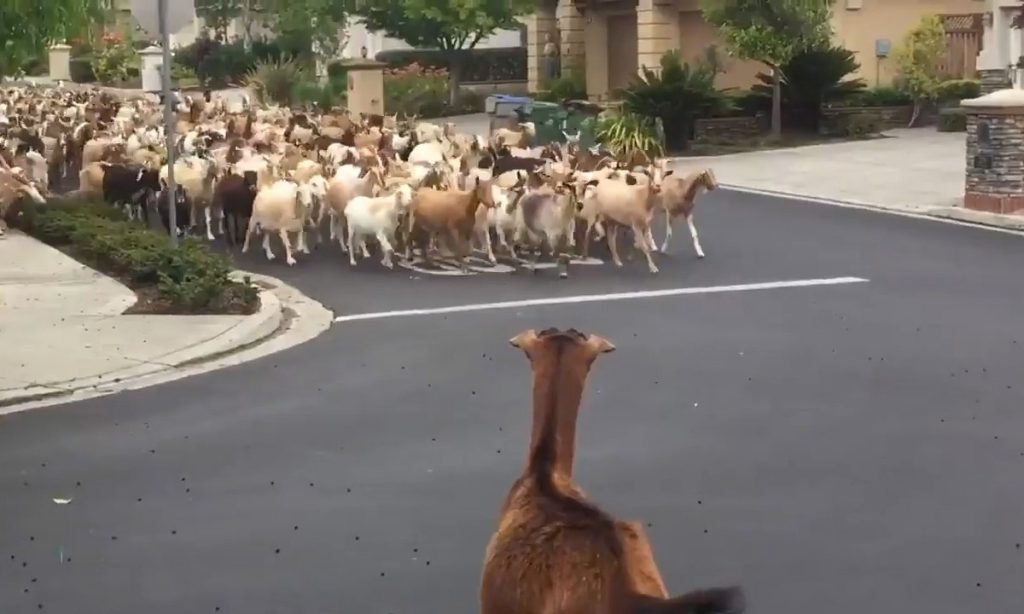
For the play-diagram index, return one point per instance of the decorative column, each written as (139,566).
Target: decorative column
(152,64)
(60,62)
(991,63)
(595,40)
(570,28)
(537,25)
(657,31)
(995,152)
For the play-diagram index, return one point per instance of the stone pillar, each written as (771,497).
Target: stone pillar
(595,40)
(995,152)
(657,31)
(60,62)
(365,86)
(152,63)
(537,25)
(571,31)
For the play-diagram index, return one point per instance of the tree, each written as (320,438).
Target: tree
(918,59)
(217,14)
(320,25)
(771,32)
(452,26)
(28,26)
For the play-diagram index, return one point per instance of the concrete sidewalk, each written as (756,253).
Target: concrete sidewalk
(62,328)
(908,170)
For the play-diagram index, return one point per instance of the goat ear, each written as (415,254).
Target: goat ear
(600,345)
(523,339)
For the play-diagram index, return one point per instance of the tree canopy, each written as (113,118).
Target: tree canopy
(448,25)
(28,26)
(771,31)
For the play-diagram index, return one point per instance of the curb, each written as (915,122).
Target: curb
(286,318)
(1010,224)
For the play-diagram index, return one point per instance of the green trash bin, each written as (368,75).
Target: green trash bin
(583,123)
(548,118)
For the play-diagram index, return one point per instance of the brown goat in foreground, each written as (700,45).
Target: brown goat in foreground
(554,551)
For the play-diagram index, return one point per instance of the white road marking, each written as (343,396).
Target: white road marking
(598,298)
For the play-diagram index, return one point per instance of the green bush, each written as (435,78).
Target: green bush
(812,79)
(275,81)
(218,64)
(190,278)
(626,134)
(331,94)
(416,91)
(478,65)
(955,90)
(677,95)
(571,86)
(81,69)
(879,97)
(856,126)
(952,120)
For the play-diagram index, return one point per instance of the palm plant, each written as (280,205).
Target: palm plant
(677,94)
(812,79)
(275,80)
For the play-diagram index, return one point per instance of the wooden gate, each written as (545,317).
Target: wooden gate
(963,42)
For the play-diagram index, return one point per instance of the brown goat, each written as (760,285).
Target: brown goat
(448,214)
(677,200)
(554,551)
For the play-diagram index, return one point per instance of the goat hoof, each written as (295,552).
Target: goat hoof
(700,256)
(291,262)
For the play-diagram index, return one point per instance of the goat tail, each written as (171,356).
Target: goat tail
(726,600)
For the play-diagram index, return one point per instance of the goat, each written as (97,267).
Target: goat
(554,551)
(378,217)
(629,204)
(514,138)
(14,186)
(234,195)
(678,197)
(546,218)
(449,214)
(282,207)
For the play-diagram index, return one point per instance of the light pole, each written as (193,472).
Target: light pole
(169,108)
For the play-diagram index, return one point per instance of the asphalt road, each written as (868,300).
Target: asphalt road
(841,449)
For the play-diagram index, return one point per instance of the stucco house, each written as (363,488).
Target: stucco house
(611,39)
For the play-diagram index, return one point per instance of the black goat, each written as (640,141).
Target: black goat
(234,195)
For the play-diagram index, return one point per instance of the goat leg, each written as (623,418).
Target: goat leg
(640,230)
(613,245)
(668,230)
(351,248)
(387,248)
(287,246)
(693,233)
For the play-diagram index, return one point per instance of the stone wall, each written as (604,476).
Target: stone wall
(995,163)
(724,129)
(992,80)
(834,121)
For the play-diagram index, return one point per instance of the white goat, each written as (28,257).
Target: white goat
(281,207)
(377,217)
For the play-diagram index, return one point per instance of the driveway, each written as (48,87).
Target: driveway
(825,410)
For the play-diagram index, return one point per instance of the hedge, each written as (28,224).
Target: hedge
(188,279)
(478,65)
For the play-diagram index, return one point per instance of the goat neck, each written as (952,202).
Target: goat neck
(561,362)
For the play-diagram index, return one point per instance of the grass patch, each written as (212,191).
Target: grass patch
(189,279)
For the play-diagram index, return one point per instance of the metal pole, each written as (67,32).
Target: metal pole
(169,121)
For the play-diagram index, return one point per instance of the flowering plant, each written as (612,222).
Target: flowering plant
(112,58)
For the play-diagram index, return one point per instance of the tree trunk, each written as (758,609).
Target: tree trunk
(776,102)
(915,114)
(454,78)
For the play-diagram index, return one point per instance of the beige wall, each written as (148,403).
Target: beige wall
(622,50)
(696,35)
(858,29)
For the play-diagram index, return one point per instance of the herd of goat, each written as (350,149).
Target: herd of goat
(418,185)
(243,170)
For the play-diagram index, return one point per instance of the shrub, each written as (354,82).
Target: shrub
(625,134)
(416,90)
(218,64)
(856,126)
(190,278)
(275,81)
(478,65)
(114,59)
(879,97)
(955,90)
(811,79)
(571,86)
(331,94)
(81,69)
(677,95)
(952,120)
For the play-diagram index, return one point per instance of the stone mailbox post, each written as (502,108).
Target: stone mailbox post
(365,86)
(995,152)
(152,64)
(60,62)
